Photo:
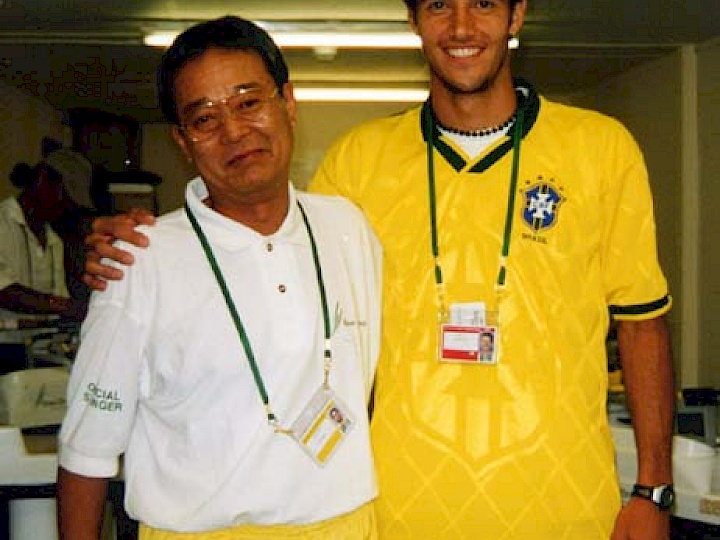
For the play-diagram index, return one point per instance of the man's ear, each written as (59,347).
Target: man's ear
(517,17)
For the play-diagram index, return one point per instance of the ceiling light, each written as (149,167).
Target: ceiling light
(338,40)
(390,95)
(360,40)
(159,39)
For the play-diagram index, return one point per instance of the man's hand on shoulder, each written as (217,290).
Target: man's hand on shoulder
(105,230)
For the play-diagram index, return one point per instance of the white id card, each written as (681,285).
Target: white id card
(468,314)
(322,426)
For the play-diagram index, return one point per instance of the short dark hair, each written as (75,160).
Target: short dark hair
(225,33)
(413,4)
(22,175)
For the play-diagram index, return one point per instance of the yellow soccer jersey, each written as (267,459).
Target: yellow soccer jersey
(520,449)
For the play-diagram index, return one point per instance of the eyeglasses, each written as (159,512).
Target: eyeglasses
(206,118)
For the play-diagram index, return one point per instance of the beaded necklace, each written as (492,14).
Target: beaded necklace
(480,132)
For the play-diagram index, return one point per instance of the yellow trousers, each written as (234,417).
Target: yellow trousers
(359,524)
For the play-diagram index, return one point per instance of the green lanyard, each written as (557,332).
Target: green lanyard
(430,131)
(272,418)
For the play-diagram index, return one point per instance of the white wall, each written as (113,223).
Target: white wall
(319,124)
(160,154)
(24,120)
(708,60)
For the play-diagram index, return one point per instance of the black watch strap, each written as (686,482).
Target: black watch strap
(663,495)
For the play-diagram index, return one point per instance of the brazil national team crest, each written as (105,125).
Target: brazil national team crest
(542,204)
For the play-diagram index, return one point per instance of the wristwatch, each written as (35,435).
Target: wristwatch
(663,495)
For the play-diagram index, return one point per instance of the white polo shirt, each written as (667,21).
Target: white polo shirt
(23,260)
(162,377)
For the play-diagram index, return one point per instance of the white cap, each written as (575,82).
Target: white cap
(76,171)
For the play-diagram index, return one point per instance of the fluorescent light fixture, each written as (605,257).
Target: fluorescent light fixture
(159,39)
(340,40)
(391,95)
(348,40)
(327,40)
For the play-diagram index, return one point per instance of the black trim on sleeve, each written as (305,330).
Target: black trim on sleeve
(640,309)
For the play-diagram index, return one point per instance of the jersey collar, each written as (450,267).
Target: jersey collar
(528,100)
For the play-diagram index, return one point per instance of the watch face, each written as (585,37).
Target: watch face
(667,497)
(662,496)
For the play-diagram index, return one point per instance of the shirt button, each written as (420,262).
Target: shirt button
(269,246)
(282,288)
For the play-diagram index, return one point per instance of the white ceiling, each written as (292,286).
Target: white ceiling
(87,53)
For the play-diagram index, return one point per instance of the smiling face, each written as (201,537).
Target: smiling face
(465,42)
(245,161)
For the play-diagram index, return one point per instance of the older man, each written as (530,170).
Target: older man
(213,367)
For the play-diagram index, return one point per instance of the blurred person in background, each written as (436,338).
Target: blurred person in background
(33,281)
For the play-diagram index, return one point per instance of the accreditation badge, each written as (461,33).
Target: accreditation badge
(323,426)
(468,338)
